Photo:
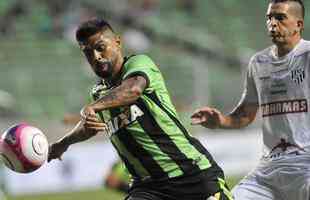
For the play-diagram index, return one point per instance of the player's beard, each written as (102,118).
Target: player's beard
(104,69)
(283,37)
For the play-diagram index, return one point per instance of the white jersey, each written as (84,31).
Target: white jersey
(281,88)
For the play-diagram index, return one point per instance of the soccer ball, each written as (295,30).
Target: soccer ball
(23,148)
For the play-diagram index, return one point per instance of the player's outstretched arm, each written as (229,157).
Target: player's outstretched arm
(242,115)
(125,94)
(81,132)
(211,118)
(208,117)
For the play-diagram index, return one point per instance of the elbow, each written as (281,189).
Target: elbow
(135,86)
(251,120)
(247,122)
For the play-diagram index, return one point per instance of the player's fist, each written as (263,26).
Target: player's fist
(91,123)
(56,150)
(207,117)
(86,112)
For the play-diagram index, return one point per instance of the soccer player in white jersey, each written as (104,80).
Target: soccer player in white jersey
(277,84)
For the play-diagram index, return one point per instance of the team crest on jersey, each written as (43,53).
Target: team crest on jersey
(298,75)
(98,90)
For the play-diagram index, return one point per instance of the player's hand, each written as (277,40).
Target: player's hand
(56,150)
(91,122)
(207,117)
(87,111)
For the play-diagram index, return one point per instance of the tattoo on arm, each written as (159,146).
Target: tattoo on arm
(77,134)
(125,94)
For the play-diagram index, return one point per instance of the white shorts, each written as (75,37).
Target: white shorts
(279,177)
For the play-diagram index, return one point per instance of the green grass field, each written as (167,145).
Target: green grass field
(103,194)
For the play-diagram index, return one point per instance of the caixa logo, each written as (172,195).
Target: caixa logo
(298,75)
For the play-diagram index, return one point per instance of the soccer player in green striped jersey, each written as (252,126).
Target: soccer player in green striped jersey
(132,106)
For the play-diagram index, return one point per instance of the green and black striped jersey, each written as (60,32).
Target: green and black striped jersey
(148,135)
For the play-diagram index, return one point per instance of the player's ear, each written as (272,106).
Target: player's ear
(118,40)
(300,25)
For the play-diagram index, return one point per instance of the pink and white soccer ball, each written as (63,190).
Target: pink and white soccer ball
(23,148)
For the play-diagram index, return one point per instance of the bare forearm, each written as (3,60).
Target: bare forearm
(125,94)
(240,117)
(232,121)
(120,96)
(77,134)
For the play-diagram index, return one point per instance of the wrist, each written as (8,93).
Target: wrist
(89,109)
(83,111)
(65,142)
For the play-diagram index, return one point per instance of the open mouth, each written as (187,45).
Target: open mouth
(103,69)
(103,66)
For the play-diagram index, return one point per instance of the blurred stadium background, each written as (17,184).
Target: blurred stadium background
(201,46)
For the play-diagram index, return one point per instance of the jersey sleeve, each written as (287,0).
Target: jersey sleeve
(250,92)
(142,65)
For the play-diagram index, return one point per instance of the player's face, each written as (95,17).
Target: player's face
(282,25)
(103,51)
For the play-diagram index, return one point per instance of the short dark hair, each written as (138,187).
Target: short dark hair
(91,27)
(300,2)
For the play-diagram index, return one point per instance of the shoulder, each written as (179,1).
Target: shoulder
(303,48)
(139,64)
(139,60)
(263,56)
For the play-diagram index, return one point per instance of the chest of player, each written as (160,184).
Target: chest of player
(119,117)
(284,81)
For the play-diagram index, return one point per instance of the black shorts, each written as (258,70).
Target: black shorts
(195,187)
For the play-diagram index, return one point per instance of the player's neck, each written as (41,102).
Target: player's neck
(284,48)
